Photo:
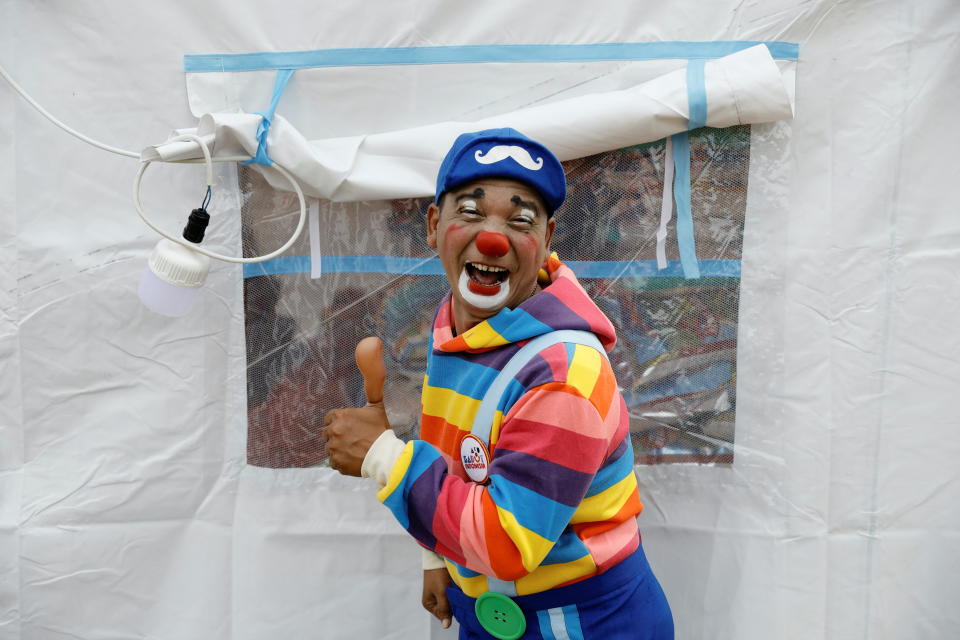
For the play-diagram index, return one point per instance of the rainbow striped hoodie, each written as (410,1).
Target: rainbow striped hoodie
(562,501)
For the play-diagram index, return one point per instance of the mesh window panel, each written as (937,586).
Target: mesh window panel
(675,358)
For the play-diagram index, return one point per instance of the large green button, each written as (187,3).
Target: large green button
(500,616)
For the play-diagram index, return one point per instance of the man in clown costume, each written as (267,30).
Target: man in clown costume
(521,489)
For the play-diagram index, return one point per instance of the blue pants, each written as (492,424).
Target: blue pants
(624,603)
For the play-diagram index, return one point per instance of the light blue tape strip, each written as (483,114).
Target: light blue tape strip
(278,266)
(681,198)
(648,269)
(210,63)
(279,84)
(696,94)
(346,264)
(697,108)
(431,267)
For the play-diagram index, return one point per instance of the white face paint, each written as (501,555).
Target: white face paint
(527,216)
(481,301)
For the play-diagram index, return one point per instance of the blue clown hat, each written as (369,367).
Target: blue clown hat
(503,153)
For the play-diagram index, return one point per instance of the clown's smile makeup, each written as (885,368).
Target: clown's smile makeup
(479,294)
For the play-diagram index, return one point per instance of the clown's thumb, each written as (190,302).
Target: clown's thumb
(369,357)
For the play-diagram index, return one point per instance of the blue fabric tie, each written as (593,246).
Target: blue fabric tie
(279,84)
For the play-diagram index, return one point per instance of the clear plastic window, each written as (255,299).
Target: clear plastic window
(677,339)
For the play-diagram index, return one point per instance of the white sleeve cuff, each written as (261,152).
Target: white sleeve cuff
(432,560)
(381,457)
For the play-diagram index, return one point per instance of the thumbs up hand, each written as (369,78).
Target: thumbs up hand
(369,356)
(350,432)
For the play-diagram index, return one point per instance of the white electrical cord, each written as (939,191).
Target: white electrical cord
(207,159)
(209,162)
(49,116)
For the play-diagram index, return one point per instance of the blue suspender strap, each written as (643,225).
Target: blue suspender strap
(483,420)
(501,586)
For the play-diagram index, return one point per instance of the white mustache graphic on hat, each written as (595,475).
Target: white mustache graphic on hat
(504,151)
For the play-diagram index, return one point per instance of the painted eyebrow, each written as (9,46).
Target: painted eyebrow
(477,193)
(523,203)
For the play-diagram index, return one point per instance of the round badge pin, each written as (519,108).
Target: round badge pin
(475,458)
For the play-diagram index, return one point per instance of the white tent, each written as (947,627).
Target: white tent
(127,507)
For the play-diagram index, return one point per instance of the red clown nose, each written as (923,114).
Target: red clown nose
(492,244)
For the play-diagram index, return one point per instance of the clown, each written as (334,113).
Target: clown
(521,489)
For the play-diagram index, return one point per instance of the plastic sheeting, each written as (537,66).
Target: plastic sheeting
(126,508)
(676,353)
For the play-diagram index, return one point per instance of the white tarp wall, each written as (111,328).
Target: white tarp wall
(126,508)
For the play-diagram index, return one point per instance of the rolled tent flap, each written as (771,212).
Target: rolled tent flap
(746,87)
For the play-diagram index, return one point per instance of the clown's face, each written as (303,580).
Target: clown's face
(493,236)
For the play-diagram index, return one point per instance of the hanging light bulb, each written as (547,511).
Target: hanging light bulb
(178,268)
(175,273)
